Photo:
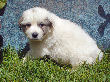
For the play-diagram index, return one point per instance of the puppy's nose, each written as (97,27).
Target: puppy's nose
(34,35)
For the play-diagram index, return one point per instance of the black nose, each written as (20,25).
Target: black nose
(34,35)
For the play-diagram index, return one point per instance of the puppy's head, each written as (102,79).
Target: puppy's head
(35,23)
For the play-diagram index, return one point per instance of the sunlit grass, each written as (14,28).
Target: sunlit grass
(2,3)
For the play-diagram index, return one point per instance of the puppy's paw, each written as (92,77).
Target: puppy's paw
(24,59)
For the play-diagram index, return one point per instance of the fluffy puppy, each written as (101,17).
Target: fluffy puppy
(62,40)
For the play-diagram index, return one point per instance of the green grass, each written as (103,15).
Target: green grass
(13,69)
(2,3)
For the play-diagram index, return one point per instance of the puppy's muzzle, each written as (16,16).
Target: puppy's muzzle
(35,35)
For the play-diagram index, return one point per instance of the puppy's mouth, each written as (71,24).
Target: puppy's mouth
(36,39)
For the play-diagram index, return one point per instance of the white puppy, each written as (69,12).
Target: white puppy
(62,40)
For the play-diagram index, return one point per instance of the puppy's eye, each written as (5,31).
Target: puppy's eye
(28,25)
(41,24)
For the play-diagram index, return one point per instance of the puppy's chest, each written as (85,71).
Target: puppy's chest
(49,47)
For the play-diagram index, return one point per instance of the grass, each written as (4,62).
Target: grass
(13,69)
(2,3)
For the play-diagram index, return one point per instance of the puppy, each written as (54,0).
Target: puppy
(62,40)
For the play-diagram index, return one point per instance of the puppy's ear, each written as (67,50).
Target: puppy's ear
(19,22)
(48,22)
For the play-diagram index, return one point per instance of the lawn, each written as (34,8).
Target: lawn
(13,69)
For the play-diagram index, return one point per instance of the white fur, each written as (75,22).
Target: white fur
(67,43)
